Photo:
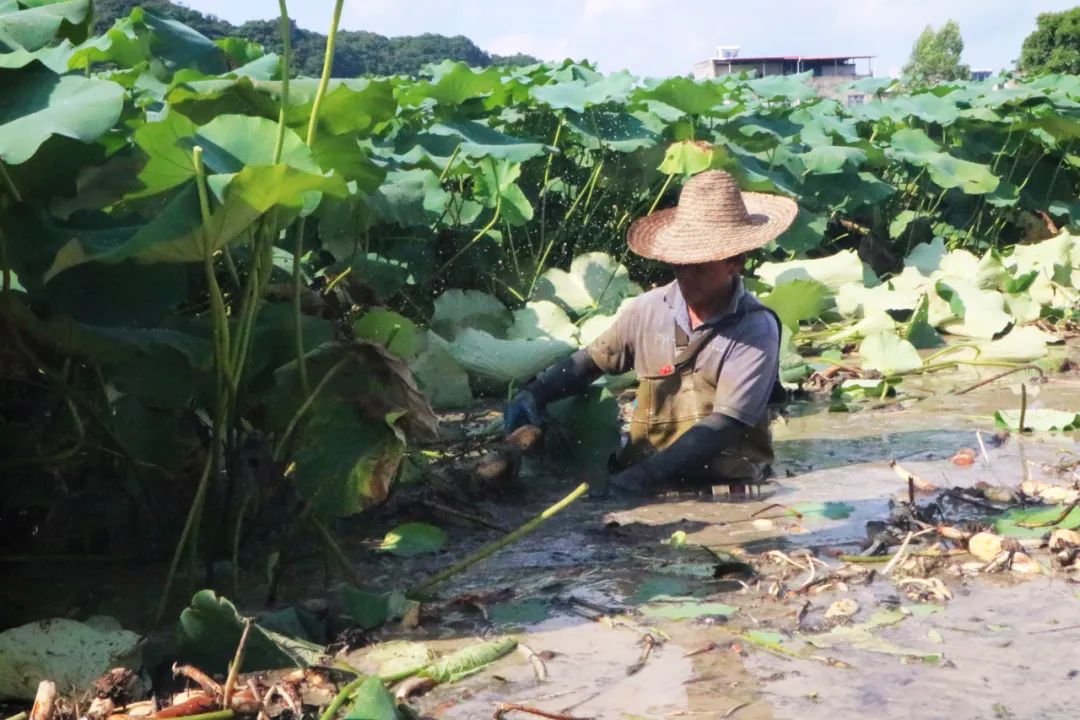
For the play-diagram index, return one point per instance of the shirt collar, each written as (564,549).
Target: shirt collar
(675,300)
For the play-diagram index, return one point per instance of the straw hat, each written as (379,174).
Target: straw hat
(713,221)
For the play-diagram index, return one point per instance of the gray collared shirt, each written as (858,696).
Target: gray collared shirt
(643,340)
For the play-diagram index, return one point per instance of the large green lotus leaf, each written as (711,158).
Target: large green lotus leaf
(441,377)
(920,333)
(456,310)
(806,233)
(899,225)
(690,158)
(210,629)
(888,354)
(854,300)
(619,131)
(1024,308)
(343,155)
(480,141)
(410,197)
(177,234)
(71,654)
(373,702)
(168,156)
(454,83)
(596,325)
(30,25)
(876,323)
(986,272)
(37,104)
(1022,344)
(926,257)
(496,185)
(982,312)
(392,330)
(925,106)
(344,462)
(355,107)
(596,283)
(789,88)
(232,142)
(1052,258)
(584,431)
(55,58)
(144,37)
(494,362)
(1039,420)
(542,319)
(797,301)
(951,172)
(686,95)
(833,271)
(831,159)
(577,95)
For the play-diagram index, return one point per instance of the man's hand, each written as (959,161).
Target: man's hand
(521,410)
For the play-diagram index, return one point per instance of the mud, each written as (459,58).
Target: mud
(1007,648)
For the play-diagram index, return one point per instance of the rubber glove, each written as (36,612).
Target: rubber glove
(521,410)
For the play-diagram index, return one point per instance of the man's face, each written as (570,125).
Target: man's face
(701,283)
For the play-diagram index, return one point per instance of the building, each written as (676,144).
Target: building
(830,73)
(981,74)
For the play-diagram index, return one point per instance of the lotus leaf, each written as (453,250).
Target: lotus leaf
(494,362)
(469,660)
(441,376)
(1038,419)
(30,25)
(71,654)
(390,329)
(457,310)
(596,282)
(797,301)
(373,702)
(39,104)
(833,271)
(414,538)
(888,354)
(542,319)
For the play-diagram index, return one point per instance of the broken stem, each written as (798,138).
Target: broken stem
(341,697)
(508,707)
(1056,521)
(1023,406)
(234,669)
(493,547)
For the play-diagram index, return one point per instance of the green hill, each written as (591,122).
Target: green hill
(356,53)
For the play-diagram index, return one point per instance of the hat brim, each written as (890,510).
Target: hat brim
(658,237)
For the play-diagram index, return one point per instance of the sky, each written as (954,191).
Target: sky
(659,38)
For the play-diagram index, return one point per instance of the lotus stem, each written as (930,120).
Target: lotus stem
(660,195)
(473,241)
(344,694)
(308,400)
(493,547)
(286,52)
(9,183)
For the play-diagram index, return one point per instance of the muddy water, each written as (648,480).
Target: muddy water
(1008,649)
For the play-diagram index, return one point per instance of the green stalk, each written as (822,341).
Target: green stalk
(286,53)
(573,206)
(659,195)
(493,547)
(189,535)
(547,176)
(9,183)
(298,248)
(343,695)
(475,239)
(338,367)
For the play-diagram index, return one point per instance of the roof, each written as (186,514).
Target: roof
(774,58)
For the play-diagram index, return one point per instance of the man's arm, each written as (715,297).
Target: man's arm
(694,448)
(564,378)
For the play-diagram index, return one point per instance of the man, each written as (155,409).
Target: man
(705,351)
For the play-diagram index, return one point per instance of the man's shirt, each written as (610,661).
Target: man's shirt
(643,339)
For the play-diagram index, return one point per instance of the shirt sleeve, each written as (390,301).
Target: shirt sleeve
(747,375)
(613,350)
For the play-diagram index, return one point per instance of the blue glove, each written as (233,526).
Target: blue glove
(633,482)
(521,410)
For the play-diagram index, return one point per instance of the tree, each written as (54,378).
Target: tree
(356,52)
(1054,46)
(936,56)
